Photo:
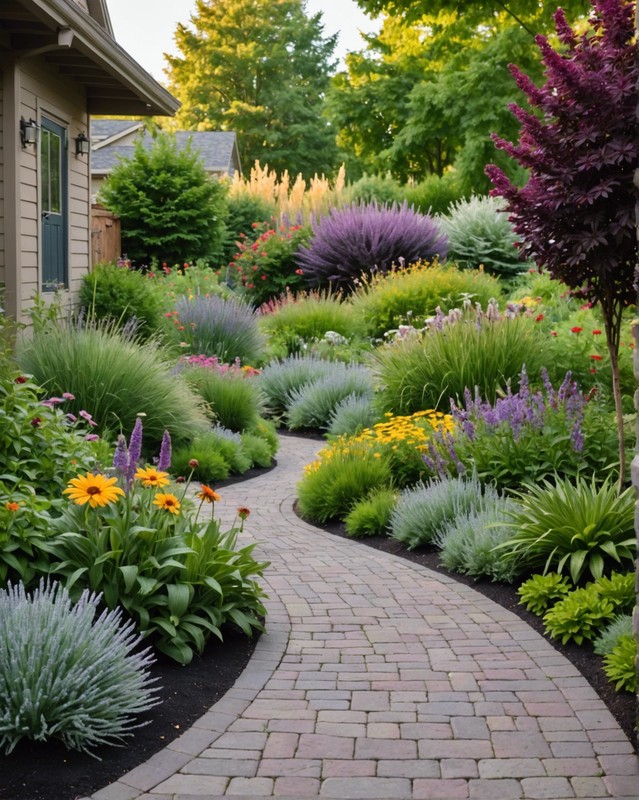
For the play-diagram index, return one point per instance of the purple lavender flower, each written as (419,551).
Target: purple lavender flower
(164,462)
(121,456)
(135,451)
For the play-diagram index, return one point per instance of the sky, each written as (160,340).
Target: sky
(145,28)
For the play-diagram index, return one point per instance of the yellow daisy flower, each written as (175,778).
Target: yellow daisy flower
(152,477)
(168,502)
(96,490)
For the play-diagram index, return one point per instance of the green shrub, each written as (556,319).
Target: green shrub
(412,295)
(351,415)
(423,510)
(428,371)
(267,267)
(481,236)
(297,320)
(467,542)
(610,635)
(580,615)
(620,665)
(257,449)
(215,326)
(382,189)
(331,486)
(233,398)
(67,673)
(115,378)
(121,294)
(266,430)
(435,194)
(171,209)
(311,406)
(280,378)
(542,591)
(244,214)
(572,526)
(218,453)
(371,515)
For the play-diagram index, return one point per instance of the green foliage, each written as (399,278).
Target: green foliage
(234,399)
(480,235)
(270,64)
(467,543)
(218,453)
(434,194)
(410,296)
(218,326)
(619,588)
(423,510)
(312,405)
(620,665)
(371,515)
(575,526)
(330,487)
(280,378)
(425,372)
(382,189)
(121,294)
(257,449)
(115,378)
(179,580)
(171,210)
(244,213)
(67,673)
(296,320)
(351,415)
(610,635)
(267,267)
(542,591)
(40,446)
(580,615)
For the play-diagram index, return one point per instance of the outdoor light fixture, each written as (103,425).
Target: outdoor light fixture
(28,131)
(82,145)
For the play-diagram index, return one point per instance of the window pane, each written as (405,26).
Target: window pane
(55,167)
(44,166)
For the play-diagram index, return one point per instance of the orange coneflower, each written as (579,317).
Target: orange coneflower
(207,495)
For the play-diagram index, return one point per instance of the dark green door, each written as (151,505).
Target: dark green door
(53,205)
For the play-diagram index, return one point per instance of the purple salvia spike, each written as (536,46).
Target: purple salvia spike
(164,462)
(121,456)
(135,450)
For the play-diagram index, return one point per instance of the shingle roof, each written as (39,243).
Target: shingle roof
(216,148)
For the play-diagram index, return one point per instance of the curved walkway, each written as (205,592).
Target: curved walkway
(378,678)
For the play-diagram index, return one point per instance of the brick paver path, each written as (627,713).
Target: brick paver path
(378,678)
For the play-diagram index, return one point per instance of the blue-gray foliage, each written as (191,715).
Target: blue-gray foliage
(280,378)
(67,672)
(312,405)
(351,415)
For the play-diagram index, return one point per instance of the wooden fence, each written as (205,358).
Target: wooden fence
(106,235)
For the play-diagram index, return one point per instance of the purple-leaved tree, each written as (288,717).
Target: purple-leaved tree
(576,214)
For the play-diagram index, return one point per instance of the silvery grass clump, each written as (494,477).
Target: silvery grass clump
(67,673)
(215,326)
(280,378)
(311,406)
(609,638)
(467,543)
(423,510)
(351,415)
(480,235)
(362,239)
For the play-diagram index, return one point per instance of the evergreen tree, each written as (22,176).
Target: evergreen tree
(260,68)
(169,207)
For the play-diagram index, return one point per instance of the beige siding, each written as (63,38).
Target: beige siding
(45,95)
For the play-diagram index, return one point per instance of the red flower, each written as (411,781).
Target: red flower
(539,317)
(576,329)
(596,332)
(553,333)
(36,422)
(21,379)
(596,358)
(299,271)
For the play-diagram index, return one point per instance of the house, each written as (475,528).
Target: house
(59,63)
(113,139)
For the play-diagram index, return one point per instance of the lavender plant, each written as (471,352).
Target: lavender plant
(526,436)
(68,673)
(363,239)
(214,326)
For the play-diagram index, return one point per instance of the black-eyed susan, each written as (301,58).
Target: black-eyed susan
(152,477)
(96,490)
(167,502)
(207,495)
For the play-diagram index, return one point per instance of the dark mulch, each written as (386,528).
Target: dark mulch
(50,772)
(622,705)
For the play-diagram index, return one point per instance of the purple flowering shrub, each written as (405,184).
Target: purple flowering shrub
(362,239)
(527,436)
